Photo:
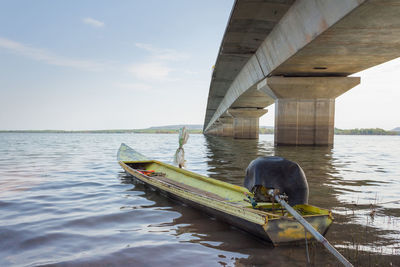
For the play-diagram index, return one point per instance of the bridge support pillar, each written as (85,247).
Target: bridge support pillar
(218,128)
(305,107)
(304,122)
(245,122)
(222,127)
(211,131)
(227,126)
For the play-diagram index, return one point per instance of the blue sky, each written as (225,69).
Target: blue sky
(134,64)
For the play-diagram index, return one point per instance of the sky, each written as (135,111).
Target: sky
(94,64)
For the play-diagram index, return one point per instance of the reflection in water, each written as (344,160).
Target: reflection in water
(228,158)
(353,229)
(234,245)
(64,200)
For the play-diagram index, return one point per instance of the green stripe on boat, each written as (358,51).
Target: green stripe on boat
(225,201)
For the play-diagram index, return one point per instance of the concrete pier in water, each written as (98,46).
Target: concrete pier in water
(246,122)
(305,107)
(298,55)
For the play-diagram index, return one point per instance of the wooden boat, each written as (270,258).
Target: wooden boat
(225,201)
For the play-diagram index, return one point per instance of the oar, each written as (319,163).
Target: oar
(311,229)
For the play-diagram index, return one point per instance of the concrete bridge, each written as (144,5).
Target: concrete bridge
(298,55)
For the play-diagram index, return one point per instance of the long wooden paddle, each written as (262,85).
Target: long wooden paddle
(309,228)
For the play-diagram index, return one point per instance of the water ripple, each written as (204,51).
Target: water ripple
(65,201)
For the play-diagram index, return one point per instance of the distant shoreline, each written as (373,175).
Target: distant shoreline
(263,130)
(158,131)
(102,131)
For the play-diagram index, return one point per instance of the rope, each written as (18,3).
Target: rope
(179,158)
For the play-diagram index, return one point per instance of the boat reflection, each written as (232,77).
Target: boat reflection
(232,244)
(227,160)
(352,230)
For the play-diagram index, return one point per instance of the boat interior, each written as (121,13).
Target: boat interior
(213,188)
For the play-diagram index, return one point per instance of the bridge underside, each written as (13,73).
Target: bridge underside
(302,63)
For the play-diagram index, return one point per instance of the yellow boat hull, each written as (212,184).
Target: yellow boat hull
(225,201)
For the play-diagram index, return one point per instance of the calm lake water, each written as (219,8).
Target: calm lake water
(64,200)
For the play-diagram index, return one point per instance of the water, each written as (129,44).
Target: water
(65,201)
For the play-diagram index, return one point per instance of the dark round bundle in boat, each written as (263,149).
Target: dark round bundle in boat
(277,173)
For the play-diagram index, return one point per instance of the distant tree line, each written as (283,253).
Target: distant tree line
(368,131)
(266,131)
(166,131)
(157,131)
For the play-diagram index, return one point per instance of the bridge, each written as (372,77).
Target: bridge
(299,55)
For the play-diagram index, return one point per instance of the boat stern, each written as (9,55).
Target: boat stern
(289,230)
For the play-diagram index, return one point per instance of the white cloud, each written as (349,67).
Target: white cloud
(163,53)
(93,22)
(152,71)
(48,57)
(158,65)
(190,72)
(135,86)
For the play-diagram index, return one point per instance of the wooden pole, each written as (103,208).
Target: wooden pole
(311,229)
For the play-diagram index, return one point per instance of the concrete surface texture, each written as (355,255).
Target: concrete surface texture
(246,122)
(303,38)
(305,107)
(227,126)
